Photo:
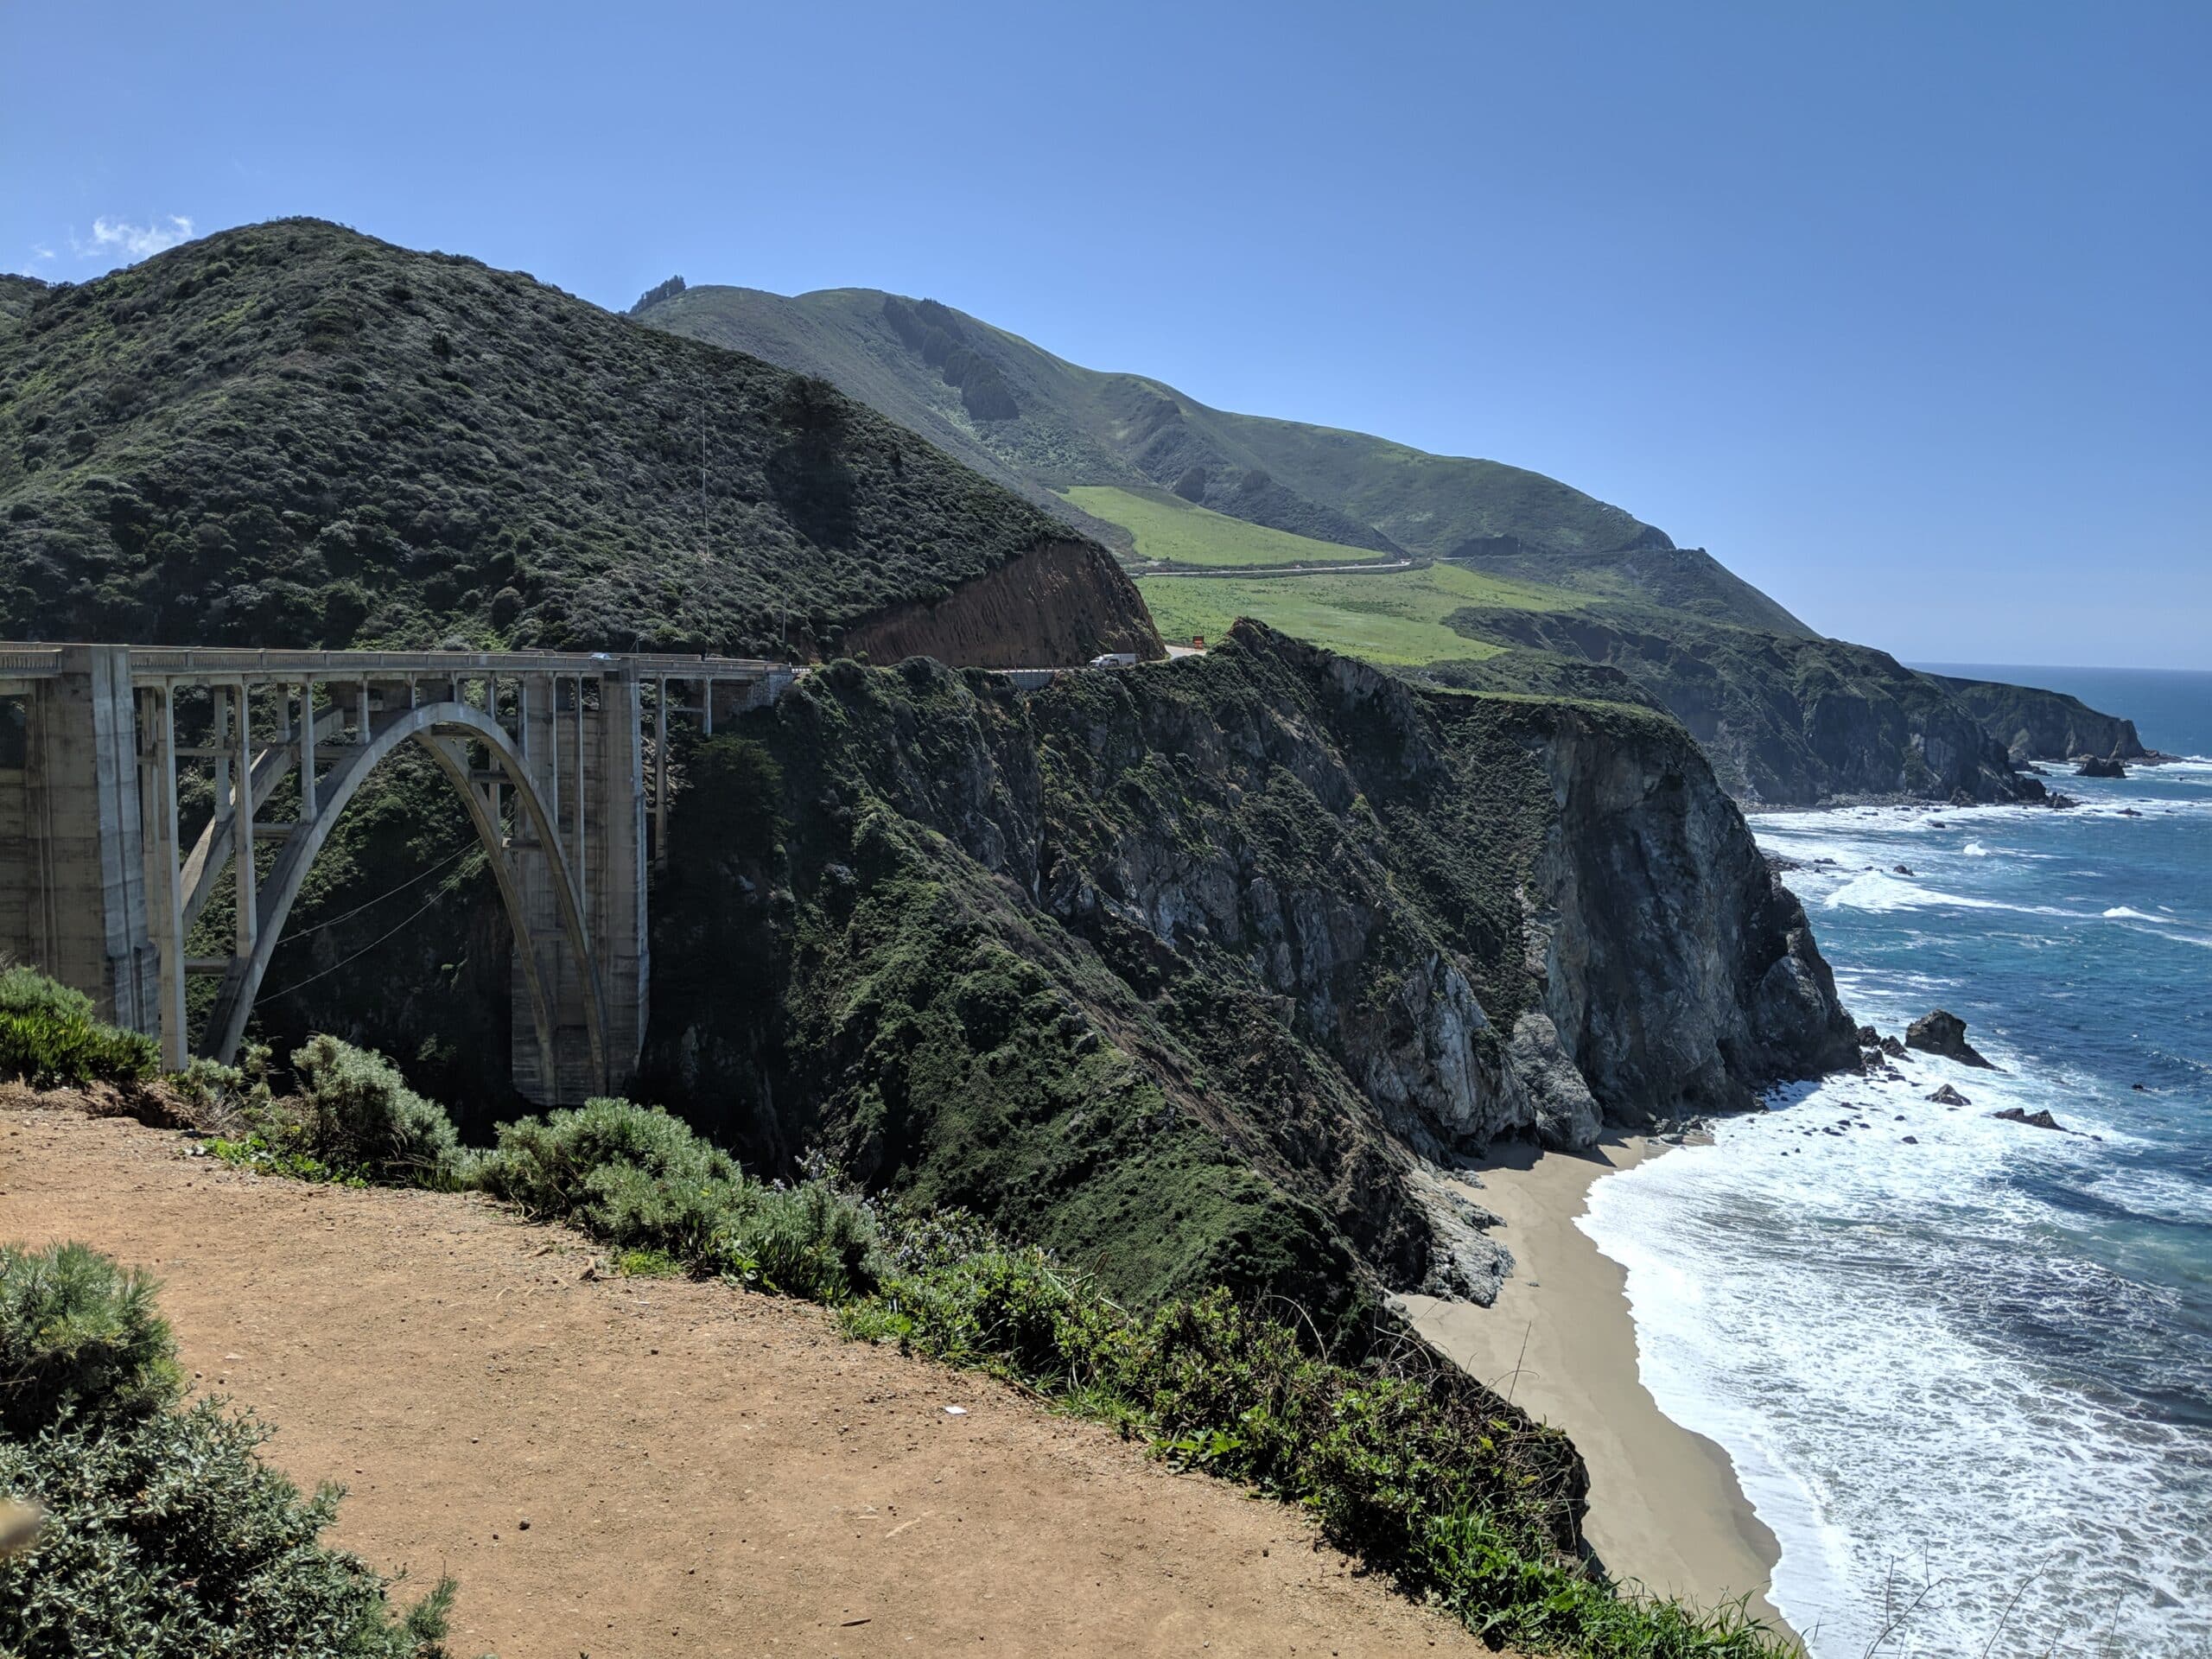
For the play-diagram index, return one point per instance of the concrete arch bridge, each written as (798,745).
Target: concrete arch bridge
(559,759)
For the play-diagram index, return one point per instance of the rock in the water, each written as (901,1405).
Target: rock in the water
(1912,1140)
(1893,1048)
(1948,1095)
(1943,1033)
(2037,1120)
(2100,767)
(1902,869)
(1869,1038)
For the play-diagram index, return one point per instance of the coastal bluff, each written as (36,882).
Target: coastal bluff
(1256,940)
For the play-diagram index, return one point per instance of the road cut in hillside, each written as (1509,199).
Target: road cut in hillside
(639,1468)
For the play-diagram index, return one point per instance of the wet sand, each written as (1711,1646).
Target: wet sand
(1665,1509)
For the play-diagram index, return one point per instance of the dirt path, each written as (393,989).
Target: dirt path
(637,1467)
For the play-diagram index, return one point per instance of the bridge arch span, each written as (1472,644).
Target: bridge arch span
(446,730)
(97,888)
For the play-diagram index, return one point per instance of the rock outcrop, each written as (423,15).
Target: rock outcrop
(2041,1119)
(2038,725)
(1943,1033)
(1786,718)
(2095,766)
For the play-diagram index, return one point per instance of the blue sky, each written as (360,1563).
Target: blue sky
(1900,309)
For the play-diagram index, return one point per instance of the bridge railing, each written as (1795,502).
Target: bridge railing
(29,659)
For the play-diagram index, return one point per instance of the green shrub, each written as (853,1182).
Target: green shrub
(217,1094)
(274,1152)
(354,1110)
(165,1533)
(79,1338)
(1472,1565)
(640,1179)
(49,1034)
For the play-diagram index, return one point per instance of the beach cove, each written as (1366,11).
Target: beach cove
(1666,1510)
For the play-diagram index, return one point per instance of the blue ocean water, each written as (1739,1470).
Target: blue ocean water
(1964,1366)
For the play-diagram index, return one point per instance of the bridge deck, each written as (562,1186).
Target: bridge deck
(27,660)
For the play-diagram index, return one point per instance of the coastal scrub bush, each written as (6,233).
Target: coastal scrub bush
(165,1533)
(356,1108)
(642,1181)
(354,1119)
(49,1034)
(78,1338)
(1473,1566)
(215,1095)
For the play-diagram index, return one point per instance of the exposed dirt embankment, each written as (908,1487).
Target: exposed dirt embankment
(656,1468)
(1062,603)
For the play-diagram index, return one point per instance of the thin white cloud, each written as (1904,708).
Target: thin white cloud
(117,235)
(42,254)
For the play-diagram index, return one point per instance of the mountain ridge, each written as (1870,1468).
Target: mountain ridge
(1788,716)
(291,433)
(1073,425)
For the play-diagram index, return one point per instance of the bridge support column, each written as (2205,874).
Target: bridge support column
(615,847)
(83,850)
(588,764)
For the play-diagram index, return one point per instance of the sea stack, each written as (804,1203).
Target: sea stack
(1943,1033)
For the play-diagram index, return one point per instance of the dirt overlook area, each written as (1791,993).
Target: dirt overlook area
(617,1468)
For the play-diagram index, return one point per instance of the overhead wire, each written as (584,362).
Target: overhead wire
(300,984)
(371,904)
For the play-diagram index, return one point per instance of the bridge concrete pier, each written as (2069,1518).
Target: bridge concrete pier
(547,751)
(73,868)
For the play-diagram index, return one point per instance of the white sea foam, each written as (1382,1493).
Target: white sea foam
(1854,1318)
(1807,1299)
(1877,890)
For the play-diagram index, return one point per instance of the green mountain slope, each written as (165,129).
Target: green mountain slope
(292,434)
(1044,425)
(1786,716)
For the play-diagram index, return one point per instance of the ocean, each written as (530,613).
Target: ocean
(1964,1366)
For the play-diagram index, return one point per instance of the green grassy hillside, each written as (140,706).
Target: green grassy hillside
(1165,526)
(1399,617)
(292,434)
(1032,419)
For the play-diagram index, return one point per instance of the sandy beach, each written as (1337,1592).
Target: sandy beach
(1664,1505)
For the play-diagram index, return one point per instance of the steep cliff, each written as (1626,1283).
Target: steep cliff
(1193,971)
(2037,725)
(1787,720)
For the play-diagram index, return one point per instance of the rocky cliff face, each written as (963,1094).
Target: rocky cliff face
(2035,725)
(1786,719)
(1196,971)
(1064,603)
